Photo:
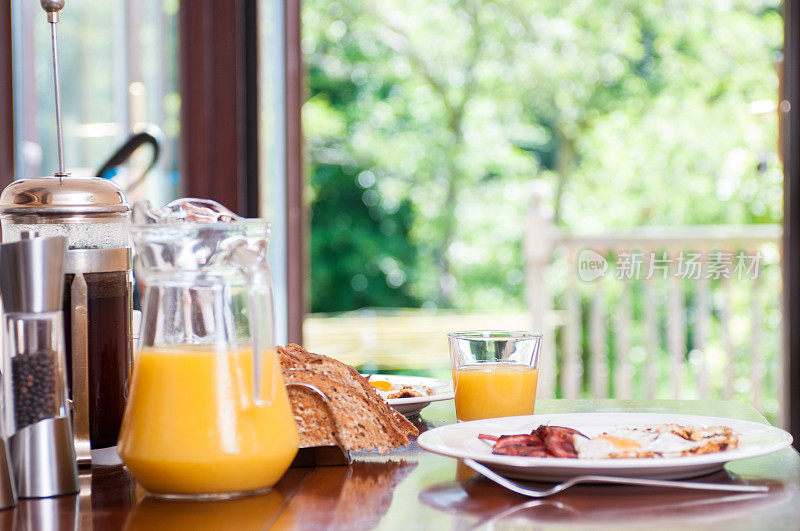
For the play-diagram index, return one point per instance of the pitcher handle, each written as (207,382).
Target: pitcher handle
(250,257)
(261,316)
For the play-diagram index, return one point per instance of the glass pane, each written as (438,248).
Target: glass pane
(456,176)
(118,67)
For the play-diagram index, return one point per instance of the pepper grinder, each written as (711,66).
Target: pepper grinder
(34,376)
(94,217)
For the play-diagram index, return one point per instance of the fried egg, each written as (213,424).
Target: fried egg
(655,441)
(391,391)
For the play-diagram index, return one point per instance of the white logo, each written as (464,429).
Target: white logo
(591,265)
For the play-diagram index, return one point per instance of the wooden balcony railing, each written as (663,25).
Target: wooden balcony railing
(596,319)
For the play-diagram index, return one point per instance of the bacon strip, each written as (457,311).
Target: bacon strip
(544,441)
(565,430)
(526,440)
(558,441)
(521,449)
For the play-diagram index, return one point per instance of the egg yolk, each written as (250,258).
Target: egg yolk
(381,386)
(620,443)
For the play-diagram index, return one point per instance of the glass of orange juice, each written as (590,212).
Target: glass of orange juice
(494,372)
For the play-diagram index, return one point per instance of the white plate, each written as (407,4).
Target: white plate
(461,440)
(411,406)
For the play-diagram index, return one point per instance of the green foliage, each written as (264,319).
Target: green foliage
(633,113)
(364,244)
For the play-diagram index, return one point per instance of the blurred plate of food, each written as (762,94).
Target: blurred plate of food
(410,394)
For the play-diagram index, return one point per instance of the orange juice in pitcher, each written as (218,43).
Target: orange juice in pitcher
(208,416)
(192,427)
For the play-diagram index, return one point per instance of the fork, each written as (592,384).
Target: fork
(543,493)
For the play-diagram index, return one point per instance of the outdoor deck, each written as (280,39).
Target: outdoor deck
(397,340)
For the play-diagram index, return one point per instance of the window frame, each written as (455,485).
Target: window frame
(296,222)
(212,61)
(6,98)
(791,215)
(218,62)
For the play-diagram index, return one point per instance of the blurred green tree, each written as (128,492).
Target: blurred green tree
(633,113)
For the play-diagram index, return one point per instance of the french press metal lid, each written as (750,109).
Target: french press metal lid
(50,197)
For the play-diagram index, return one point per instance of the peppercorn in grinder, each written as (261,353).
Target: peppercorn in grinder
(36,414)
(93,215)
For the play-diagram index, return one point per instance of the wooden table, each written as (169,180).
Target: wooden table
(412,489)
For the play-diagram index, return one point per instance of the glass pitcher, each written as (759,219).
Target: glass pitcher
(207,416)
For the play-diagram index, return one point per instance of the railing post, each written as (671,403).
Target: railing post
(538,248)
(676,329)
(623,368)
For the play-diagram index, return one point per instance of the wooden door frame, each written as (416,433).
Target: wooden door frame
(296,223)
(212,57)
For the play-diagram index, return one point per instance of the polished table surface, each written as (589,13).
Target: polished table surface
(413,489)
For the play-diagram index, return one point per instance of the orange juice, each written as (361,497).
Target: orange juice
(487,390)
(191,426)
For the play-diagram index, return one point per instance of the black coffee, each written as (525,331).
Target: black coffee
(108,312)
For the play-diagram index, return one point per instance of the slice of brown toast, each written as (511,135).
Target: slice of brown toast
(365,421)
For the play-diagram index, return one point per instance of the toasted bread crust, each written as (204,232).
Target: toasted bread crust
(365,421)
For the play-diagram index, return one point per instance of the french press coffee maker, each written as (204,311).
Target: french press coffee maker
(93,215)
